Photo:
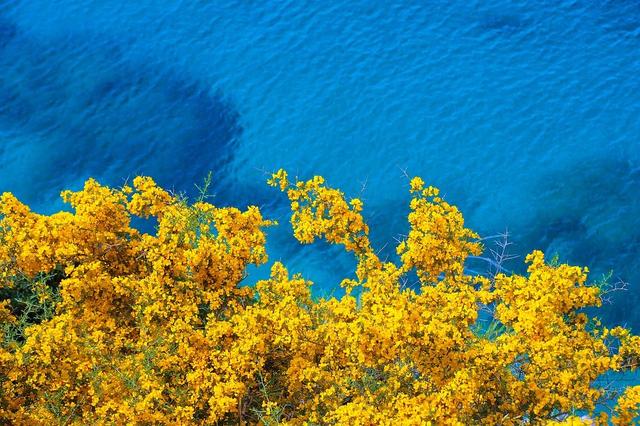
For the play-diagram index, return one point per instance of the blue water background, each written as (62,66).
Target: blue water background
(526,114)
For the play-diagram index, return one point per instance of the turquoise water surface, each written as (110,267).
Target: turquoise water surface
(526,114)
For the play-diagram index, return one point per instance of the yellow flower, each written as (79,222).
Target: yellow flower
(105,324)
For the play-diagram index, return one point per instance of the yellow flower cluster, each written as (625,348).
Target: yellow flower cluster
(102,323)
(438,243)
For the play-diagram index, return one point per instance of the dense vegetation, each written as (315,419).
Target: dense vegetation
(102,323)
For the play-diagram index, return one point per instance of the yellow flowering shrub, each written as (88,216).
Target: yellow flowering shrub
(102,323)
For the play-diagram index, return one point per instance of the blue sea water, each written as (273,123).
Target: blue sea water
(525,113)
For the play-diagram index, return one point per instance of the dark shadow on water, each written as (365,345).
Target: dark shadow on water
(502,24)
(568,228)
(8,31)
(589,214)
(84,106)
(619,17)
